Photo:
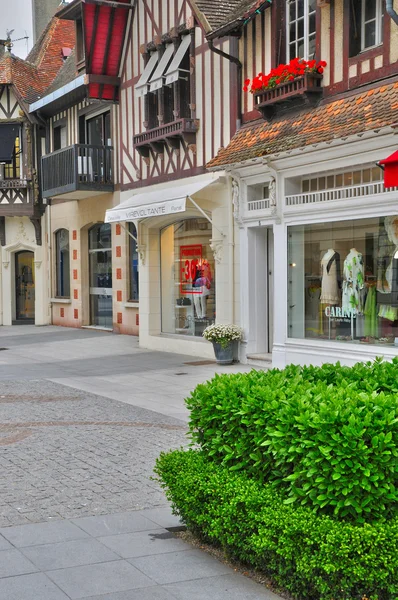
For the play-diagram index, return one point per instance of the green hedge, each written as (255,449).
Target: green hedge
(313,556)
(326,437)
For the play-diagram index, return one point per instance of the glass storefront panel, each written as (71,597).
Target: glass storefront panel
(100,258)
(187,277)
(343,281)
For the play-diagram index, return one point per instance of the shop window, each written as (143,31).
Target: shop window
(366,25)
(343,281)
(301,32)
(62,263)
(133,264)
(12,169)
(346,179)
(187,277)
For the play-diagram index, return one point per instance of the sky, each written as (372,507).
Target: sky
(17,15)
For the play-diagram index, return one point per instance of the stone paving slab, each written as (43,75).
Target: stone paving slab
(150,564)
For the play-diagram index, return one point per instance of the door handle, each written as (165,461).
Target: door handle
(292,306)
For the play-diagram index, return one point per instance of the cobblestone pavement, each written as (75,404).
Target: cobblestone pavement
(67,453)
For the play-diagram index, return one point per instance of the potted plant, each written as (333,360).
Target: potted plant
(224,339)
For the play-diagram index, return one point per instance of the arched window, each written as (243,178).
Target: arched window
(62,263)
(133,264)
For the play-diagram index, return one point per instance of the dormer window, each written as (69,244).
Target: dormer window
(366,25)
(300,34)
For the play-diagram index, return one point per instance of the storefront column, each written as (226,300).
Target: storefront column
(280,296)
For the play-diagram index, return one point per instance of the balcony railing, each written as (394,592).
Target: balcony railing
(170,133)
(343,193)
(16,197)
(81,167)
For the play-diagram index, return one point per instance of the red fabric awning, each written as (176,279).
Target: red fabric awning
(390,166)
(104,34)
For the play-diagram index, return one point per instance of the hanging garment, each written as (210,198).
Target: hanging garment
(353,281)
(388,244)
(330,272)
(370,312)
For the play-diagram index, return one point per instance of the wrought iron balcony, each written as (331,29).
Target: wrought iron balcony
(170,133)
(78,171)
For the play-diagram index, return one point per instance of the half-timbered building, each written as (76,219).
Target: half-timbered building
(178,107)
(318,217)
(23,226)
(80,167)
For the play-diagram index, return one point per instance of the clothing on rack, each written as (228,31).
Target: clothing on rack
(370,312)
(353,281)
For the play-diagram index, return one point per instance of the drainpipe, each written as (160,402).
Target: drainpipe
(236,62)
(390,11)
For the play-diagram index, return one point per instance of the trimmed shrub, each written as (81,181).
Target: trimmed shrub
(326,437)
(313,556)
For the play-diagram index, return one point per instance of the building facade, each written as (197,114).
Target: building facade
(317,223)
(24,288)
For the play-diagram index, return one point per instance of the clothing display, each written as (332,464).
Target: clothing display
(330,272)
(353,281)
(370,312)
(201,286)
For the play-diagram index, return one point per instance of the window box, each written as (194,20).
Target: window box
(304,90)
(170,134)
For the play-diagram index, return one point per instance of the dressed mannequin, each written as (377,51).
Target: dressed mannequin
(201,285)
(353,281)
(330,271)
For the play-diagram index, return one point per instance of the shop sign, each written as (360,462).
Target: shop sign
(340,312)
(190,258)
(149,210)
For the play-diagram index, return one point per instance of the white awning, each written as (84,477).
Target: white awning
(172,73)
(156,81)
(163,201)
(141,88)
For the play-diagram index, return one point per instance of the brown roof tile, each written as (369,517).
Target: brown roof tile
(365,111)
(221,12)
(31,77)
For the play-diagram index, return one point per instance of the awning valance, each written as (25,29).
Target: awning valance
(158,203)
(8,134)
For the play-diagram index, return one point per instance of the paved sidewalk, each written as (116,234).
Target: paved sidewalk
(127,556)
(105,364)
(83,416)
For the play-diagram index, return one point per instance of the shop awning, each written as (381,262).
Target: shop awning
(8,134)
(163,201)
(173,72)
(156,81)
(141,89)
(390,167)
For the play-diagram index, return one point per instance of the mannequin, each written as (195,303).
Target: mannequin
(201,285)
(330,271)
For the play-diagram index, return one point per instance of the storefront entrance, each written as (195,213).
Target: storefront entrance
(100,257)
(24,287)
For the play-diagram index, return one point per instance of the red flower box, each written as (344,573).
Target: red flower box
(295,84)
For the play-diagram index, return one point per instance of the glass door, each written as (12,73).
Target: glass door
(100,258)
(24,287)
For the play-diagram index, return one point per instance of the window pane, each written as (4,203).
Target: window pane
(306,186)
(300,8)
(292,31)
(339,180)
(292,51)
(321,183)
(292,11)
(300,49)
(312,6)
(300,28)
(330,182)
(377,174)
(343,282)
(370,9)
(62,263)
(347,179)
(133,264)
(312,24)
(314,185)
(370,34)
(311,47)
